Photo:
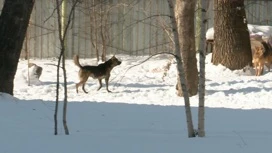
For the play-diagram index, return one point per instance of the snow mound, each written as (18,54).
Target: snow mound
(261,30)
(32,74)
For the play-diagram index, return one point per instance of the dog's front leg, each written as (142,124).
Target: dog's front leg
(260,70)
(100,84)
(107,83)
(256,70)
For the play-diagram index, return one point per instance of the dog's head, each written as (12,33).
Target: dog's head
(259,51)
(115,61)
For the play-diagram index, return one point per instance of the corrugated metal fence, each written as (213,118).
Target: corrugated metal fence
(133,27)
(257,11)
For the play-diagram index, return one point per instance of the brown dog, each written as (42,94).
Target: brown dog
(258,60)
(262,56)
(102,71)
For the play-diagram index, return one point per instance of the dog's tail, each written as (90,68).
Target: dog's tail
(76,61)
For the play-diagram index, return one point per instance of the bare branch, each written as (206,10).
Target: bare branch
(161,53)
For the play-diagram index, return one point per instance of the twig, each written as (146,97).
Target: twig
(53,65)
(52,13)
(144,62)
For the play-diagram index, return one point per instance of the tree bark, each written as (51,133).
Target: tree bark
(231,36)
(202,55)
(14,21)
(181,73)
(184,11)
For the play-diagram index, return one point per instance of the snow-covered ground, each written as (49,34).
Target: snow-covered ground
(141,115)
(146,84)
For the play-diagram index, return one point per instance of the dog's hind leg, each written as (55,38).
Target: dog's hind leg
(100,84)
(262,69)
(82,82)
(79,84)
(83,88)
(268,66)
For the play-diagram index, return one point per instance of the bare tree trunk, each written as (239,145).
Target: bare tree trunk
(201,86)
(63,29)
(14,21)
(231,36)
(57,96)
(63,42)
(26,44)
(64,116)
(58,71)
(185,10)
(181,73)
(103,55)
(56,119)
(27,55)
(56,116)
(198,24)
(104,48)
(95,30)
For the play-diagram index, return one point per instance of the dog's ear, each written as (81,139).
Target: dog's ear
(257,47)
(113,57)
(259,50)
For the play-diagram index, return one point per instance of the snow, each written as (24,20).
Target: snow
(261,30)
(141,115)
(210,34)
